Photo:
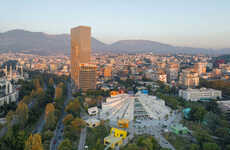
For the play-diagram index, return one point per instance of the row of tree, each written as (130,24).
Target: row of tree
(36,94)
(72,125)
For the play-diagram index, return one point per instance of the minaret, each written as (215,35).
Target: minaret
(11,73)
(22,71)
(10,88)
(6,71)
(6,89)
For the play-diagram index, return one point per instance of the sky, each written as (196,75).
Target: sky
(196,23)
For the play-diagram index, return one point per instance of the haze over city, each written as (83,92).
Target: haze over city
(194,23)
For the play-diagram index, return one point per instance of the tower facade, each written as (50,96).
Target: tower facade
(87,76)
(80,50)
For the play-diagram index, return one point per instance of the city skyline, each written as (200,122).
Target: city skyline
(196,23)
(121,75)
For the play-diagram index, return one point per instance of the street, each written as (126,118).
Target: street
(58,133)
(82,139)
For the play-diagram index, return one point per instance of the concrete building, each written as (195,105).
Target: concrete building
(147,106)
(172,70)
(87,77)
(108,72)
(189,78)
(80,50)
(200,67)
(117,107)
(53,67)
(200,94)
(124,106)
(156,75)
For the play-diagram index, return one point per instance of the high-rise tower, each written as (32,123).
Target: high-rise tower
(80,50)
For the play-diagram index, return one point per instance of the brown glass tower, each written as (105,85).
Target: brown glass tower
(80,50)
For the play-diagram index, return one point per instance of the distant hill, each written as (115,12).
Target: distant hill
(45,44)
(38,42)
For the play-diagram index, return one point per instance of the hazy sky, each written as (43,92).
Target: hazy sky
(197,23)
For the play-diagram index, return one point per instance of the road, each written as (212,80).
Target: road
(40,124)
(58,133)
(3,131)
(82,140)
(83,134)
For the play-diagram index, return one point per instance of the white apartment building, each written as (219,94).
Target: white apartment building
(200,94)
(156,75)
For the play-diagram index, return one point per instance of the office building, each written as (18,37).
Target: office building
(80,51)
(87,76)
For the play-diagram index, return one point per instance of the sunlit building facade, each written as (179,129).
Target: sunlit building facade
(80,50)
(87,76)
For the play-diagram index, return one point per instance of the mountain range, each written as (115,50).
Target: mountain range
(45,44)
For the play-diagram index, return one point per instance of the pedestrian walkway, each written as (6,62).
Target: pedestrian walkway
(81,144)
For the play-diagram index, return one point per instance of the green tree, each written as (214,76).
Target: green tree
(210,146)
(22,113)
(149,143)
(73,107)
(132,147)
(228,147)
(20,140)
(99,145)
(65,145)
(197,113)
(47,135)
(9,117)
(67,120)
(26,99)
(222,132)
(202,136)
(194,147)
(73,130)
